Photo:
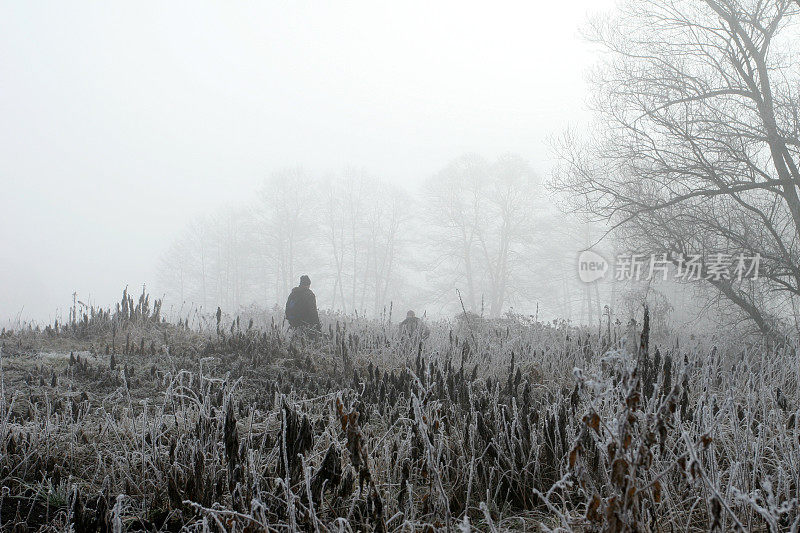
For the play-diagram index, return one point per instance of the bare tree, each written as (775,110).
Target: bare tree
(333,222)
(199,240)
(175,270)
(388,218)
(506,236)
(455,206)
(362,219)
(696,145)
(232,257)
(185,268)
(481,218)
(287,226)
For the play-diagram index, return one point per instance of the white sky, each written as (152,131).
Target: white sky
(118,124)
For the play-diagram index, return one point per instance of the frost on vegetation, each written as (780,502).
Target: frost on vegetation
(520,426)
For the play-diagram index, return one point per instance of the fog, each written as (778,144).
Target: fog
(123,123)
(513,266)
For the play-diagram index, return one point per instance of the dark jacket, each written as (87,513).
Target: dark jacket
(301,308)
(413,327)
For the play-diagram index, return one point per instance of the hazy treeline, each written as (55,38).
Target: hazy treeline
(483,227)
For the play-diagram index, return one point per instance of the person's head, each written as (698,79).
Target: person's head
(305,281)
(410,314)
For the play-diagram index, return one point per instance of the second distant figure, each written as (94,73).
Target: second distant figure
(413,328)
(301,306)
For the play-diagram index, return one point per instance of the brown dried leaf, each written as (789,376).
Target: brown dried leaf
(619,469)
(626,441)
(591,510)
(573,455)
(612,449)
(632,401)
(592,420)
(342,414)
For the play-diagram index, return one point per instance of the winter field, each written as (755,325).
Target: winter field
(122,421)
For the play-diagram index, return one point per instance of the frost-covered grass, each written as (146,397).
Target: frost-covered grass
(130,422)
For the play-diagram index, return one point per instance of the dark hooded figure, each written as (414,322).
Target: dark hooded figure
(413,328)
(301,306)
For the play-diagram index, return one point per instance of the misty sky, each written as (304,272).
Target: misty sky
(121,123)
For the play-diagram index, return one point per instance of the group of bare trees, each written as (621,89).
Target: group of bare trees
(482,218)
(212,261)
(695,153)
(697,144)
(342,230)
(369,244)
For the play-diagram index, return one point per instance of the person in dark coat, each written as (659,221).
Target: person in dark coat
(412,328)
(301,306)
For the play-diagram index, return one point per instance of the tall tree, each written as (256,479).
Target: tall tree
(482,221)
(287,225)
(455,208)
(362,219)
(506,237)
(697,143)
